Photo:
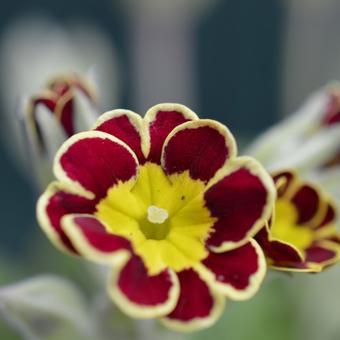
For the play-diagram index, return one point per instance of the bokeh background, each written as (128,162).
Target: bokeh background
(245,63)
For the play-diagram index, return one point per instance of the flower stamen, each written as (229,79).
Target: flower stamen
(157,215)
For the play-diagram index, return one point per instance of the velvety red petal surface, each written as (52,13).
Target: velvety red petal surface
(98,163)
(195,300)
(122,128)
(159,128)
(97,236)
(142,289)
(318,254)
(66,117)
(279,253)
(234,267)
(307,202)
(62,203)
(237,201)
(200,150)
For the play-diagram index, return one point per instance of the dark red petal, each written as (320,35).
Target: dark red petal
(53,205)
(201,147)
(97,162)
(307,201)
(195,300)
(121,126)
(317,253)
(279,253)
(96,235)
(142,289)
(162,124)
(65,113)
(235,267)
(238,202)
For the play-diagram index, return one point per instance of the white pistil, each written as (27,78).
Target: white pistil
(157,215)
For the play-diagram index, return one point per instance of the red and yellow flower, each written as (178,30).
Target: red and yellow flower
(302,234)
(165,202)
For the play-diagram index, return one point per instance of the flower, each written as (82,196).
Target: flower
(66,106)
(168,205)
(308,141)
(302,234)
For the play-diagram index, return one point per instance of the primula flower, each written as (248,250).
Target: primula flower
(168,205)
(308,141)
(302,234)
(64,107)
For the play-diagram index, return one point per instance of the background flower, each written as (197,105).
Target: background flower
(36,49)
(308,140)
(302,234)
(67,105)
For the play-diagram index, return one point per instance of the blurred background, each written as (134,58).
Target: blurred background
(245,63)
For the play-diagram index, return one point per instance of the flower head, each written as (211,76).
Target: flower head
(302,234)
(168,205)
(66,106)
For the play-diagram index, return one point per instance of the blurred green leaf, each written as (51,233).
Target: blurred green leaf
(46,307)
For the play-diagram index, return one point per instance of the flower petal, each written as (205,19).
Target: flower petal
(237,273)
(278,253)
(92,162)
(140,295)
(324,253)
(161,120)
(127,126)
(201,147)
(282,138)
(330,216)
(56,202)
(309,204)
(64,111)
(241,197)
(92,241)
(85,111)
(198,306)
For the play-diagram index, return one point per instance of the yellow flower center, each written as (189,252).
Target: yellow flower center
(165,218)
(285,227)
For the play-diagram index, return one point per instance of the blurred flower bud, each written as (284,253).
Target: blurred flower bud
(35,48)
(308,140)
(66,106)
